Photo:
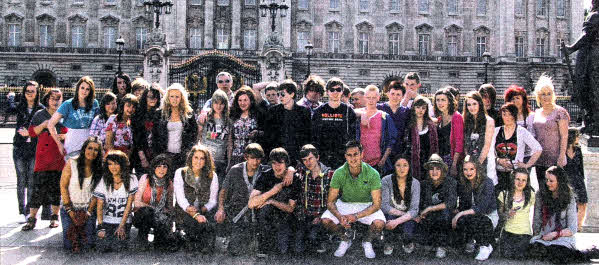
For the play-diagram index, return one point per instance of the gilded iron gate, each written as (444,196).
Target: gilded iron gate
(198,74)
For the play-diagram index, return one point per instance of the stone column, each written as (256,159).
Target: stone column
(591,170)
(209,24)
(236,27)
(506,47)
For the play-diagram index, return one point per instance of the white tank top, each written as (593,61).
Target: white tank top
(80,197)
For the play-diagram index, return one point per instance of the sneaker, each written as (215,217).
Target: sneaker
(470,247)
(343,246)
(441,252)
(484,252)
(322,248)
(388,250)
(409,248)
(368,251)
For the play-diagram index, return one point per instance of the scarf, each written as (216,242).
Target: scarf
(158,182)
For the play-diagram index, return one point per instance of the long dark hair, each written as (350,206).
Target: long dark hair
(480,174)
(89,100)
(127,80)
(96,165)
(419,101)
(106,99)
(128,98)
(556,205)
(528,190)
(23,100)
(451,104)
(408,190)
(474,124)
(236,110)
(154,91)
(120,158)
(161,159)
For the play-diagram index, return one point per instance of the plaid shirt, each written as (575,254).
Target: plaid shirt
(315,191)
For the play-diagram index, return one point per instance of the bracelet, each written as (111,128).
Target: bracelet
(195,215)
(88,213)
(356,216)
(69,210)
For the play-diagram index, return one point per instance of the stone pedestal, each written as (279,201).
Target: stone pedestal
(591,171)
(273,59)
(156,59)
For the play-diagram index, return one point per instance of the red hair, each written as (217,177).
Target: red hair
(515,90)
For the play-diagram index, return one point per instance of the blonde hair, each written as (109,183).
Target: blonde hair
(544,82)
(373,88)
(185,109)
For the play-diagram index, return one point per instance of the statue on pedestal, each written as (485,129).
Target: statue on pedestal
(586,74)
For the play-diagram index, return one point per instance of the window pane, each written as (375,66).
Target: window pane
(249,39)
(423,44)
(452,45)
(363,5)
(109,37)
(394,43)
(334,4)
(560,8)
(222,39)
(519,7)
(45,36)
(141,37)
(333,41)
(452,6)
(541,5)
(77,36)
(222,2)
(519,46)
(481,46)
(423,6)
(250,2)
(14,35)
(195,2)
(363,43)
(394,5)
(302,40)
(302,4)
(195,38)
(481,8)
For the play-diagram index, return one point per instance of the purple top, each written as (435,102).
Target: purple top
(400,119)
(546,130)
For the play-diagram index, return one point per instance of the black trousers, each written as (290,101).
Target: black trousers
(308,235)
(435,228)
(475,226)
(200,233)
(513,246)
(144,220)
(555,254)
(273,226)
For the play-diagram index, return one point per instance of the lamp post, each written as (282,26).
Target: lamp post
(273,7)
(120,43)
(309,48)
(486,56)
(157,7)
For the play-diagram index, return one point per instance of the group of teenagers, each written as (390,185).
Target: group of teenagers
(256,166)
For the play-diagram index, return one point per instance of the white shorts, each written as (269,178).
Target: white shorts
(346,208)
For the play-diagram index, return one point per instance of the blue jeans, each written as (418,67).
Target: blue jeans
(406,230)
(90,230)
(24,167)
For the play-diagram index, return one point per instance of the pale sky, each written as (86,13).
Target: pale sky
(587,4)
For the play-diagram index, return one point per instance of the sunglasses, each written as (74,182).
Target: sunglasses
(335,89)
(29,92)
(224,81)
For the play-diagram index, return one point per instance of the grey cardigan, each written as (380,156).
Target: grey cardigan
(568,219)
(387,190)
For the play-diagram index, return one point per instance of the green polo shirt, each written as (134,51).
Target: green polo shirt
(358,189)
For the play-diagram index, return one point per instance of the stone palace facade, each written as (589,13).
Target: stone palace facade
(361,41)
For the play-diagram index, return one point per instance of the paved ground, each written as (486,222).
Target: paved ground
(43,245)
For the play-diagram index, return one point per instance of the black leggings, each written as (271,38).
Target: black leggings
(144,220)
(476,226)
(513,246)
(556,254)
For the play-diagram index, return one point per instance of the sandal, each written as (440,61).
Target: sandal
(30,224)
(53,221)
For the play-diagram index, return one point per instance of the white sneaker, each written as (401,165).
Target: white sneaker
(368,251)
(409,248)
(484,252)
(441,252)
(388,250)
(343,246)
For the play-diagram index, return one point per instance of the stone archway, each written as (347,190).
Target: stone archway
(45,78)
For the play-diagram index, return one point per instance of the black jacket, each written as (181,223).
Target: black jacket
(298,129)
(26,149)
(160,136)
